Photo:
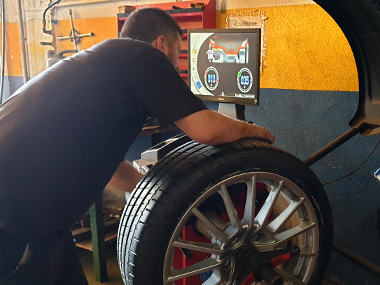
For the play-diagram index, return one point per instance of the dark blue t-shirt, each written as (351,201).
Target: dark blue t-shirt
(64,133)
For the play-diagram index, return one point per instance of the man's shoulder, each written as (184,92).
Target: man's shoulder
(121,50)
(122,43)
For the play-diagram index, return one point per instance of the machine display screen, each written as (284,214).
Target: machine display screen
(224,65)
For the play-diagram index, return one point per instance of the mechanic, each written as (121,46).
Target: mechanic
(65,133)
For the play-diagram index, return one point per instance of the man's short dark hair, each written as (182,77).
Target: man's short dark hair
(148,24)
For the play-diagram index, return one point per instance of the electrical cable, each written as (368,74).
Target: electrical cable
(3,51)
(332,181)
(44,15)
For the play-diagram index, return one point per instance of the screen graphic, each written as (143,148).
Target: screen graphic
(224,65)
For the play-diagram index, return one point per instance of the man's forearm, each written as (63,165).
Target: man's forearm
(228,130)
(212,128)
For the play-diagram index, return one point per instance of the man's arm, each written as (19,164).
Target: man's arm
(125,178)
(207,127)
(212,128)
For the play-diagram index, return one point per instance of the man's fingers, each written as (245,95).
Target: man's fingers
(264,135)
(271,137)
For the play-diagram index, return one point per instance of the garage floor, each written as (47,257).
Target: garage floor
(114,272)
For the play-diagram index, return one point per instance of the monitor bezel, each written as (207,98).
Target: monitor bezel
(224,99)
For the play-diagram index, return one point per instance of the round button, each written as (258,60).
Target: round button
(244,80)
(211,78)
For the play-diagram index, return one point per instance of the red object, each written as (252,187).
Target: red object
(205,19)
(279,260)
(195,16)
(180,261)
(249,280)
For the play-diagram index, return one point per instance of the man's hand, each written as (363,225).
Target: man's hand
(261,134)
(212,128)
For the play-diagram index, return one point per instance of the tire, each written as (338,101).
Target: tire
(191,208)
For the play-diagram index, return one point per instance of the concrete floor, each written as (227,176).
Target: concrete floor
(114,272)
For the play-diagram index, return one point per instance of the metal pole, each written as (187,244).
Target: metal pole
(98,245)
(23,43)
(357,259)
(331,146)
(234,111)
(78,36)
(73,30)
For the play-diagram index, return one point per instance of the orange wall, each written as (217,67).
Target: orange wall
(103,28)
(13,65)
(306,49)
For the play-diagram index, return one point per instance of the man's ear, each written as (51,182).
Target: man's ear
(160,43)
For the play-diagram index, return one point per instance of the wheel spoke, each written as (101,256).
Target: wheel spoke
(214,229)
(285,236)
(275,226)
(289,277)
(250,203)
(266,209)
(198,268)
(306,252)
(230,208)
(291,233)
(198,246)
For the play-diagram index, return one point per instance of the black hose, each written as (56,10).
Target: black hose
(44,15)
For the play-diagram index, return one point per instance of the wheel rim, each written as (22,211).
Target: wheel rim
(284,218)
